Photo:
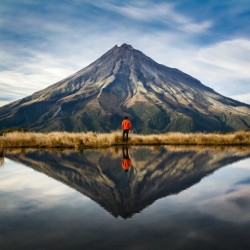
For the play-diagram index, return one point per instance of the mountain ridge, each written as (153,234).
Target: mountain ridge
(124,81)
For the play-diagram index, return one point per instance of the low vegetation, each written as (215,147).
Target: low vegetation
(11,130)
(92,139)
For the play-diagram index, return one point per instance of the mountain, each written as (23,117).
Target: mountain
(154,173)
(122,82)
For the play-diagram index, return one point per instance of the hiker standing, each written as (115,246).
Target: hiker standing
(126,126)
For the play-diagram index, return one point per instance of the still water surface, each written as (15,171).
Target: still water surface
(140,198)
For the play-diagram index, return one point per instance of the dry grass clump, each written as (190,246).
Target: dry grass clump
(92,139)
(176,138)
(58,140)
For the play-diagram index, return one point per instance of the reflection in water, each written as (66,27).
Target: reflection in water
(38,212)
(126,162)
(1,158)
(155,174)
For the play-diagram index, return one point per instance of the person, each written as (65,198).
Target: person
(126,126)
(126,162)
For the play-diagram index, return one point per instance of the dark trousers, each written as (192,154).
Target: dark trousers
(125,152)
(125,135)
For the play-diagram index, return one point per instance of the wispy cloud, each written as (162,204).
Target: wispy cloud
(230,55)
(31,187)
(225,66)
(32,75)
(164,13)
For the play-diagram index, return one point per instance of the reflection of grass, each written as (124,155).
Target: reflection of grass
(91,139)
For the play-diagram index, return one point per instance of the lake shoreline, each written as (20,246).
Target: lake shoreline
(88,140)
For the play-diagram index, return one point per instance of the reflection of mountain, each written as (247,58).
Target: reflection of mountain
(154,173)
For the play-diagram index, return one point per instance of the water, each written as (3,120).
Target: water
(169,198)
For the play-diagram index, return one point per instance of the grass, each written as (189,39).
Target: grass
(97,140)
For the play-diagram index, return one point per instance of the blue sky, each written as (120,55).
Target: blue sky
(44,41)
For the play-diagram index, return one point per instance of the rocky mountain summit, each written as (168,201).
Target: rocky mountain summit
(122,82)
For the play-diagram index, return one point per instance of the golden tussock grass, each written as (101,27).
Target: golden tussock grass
(176,138)
(97,140)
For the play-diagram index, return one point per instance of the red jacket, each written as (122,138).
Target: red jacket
(126,124)
(126,163)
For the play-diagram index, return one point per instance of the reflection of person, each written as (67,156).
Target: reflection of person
(126,126)
(126,162)
(1,159)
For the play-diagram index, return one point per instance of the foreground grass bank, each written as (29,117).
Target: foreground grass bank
(91,139)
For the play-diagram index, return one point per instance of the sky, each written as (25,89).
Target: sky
(44,41)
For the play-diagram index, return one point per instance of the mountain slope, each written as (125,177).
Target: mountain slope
(122,82)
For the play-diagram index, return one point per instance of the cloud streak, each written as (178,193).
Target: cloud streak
(164,13)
